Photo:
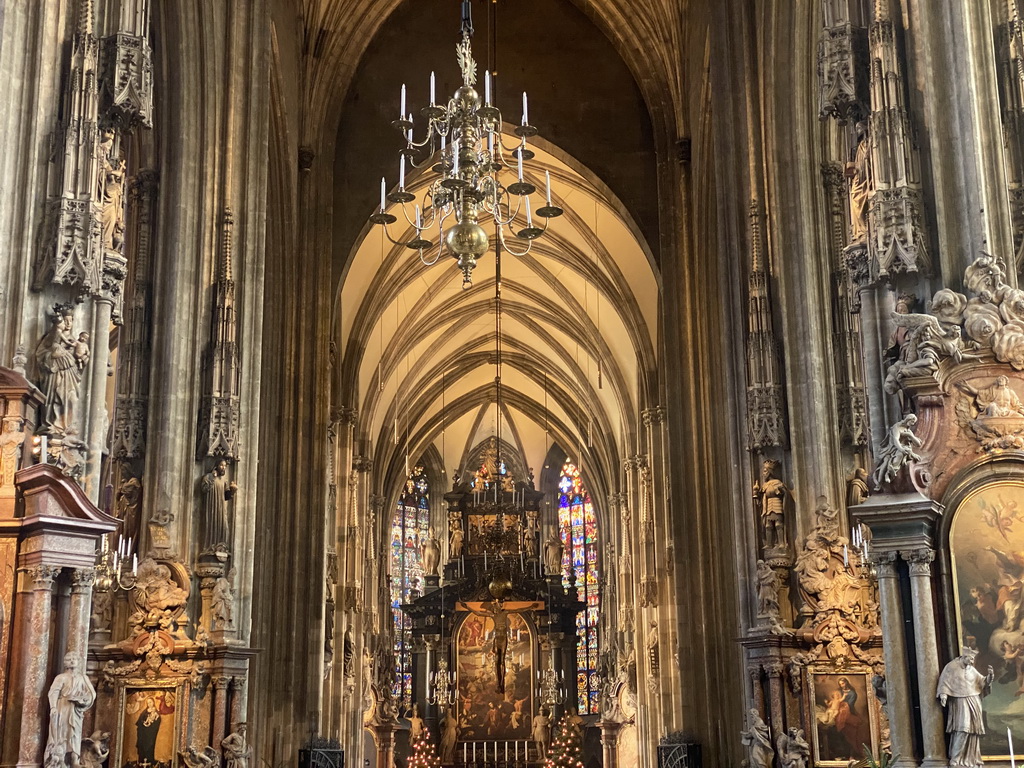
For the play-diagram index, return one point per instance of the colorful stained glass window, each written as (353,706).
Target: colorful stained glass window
(409,528)
(578,528)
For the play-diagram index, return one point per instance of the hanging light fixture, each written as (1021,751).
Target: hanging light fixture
(465,144)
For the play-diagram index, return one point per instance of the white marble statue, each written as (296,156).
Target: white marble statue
(961,688)
(757,741)
(71,694)
(540,732)
(794,751)
(897,450)
(236,748)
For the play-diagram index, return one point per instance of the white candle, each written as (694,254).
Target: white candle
(408,134)
(401,109)
(520,153)
(431,89)
(526,117)
(529,215)
(135,565)
(846,557)
(401,174)
(487,87)
(419,222)
(44,454)
(1009,739)
(547,181)
(444,138)
(455,154)
(383,191)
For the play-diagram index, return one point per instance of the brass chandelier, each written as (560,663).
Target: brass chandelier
(464,147)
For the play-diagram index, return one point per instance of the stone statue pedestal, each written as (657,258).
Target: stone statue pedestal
(431,582)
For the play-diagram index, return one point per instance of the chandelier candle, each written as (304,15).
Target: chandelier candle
(469,191)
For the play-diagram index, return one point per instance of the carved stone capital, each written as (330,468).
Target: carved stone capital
(362,463)
(238,683)
(648,592)
(653,416)
(82,579)
(774,669)
(221,682)
(42,576)
(754,671)
(919,560)
(885,564)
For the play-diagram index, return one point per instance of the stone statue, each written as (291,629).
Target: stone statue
(218,490)
(770,498)
(553,554)
(826,518)
(858,171)
(897,450)
(857,487)
(450,736)
(95,749)
(531,533)
(11,440)
(794,751)
(996,400)
(193,757)
(348,655)
(61,372)
(222,602)
(961,688)
(653,652)
(70,695)
(110,193)
(129,494)
(767,591)
(456,539)
(926,342)
(415,724)
(541,732)
(758,742)
(102,611)
(236,748)
(430,553)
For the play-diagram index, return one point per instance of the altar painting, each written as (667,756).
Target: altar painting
(148,726)
(845,721)
(485,714)
(987,546)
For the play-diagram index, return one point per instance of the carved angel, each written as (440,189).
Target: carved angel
(897,449)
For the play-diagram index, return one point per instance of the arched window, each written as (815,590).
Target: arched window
(409,527)
(578,528)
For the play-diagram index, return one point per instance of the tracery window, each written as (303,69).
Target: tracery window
(409,528)
(578,528)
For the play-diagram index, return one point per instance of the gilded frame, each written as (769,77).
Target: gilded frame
(822,683)
(181,692)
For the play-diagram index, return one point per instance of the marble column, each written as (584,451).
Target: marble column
(220,710)
(36,636)
(82,580)
(754,670)
(927,648)
(238,701)
(777,704)
(610,742)
(897,682)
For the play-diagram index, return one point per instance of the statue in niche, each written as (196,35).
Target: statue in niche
(129,494)
(897,450)
(996,400)
(541,732)
(222,602)
(102,611)
(553,554)
(770,499)
(348,655)
(218,490)
(456,539)
(11,440)
(858,171)
(95,750)
(61,372)
(794,751)
(110,193)
(236,748)
(857,487)
(430,553)
(450,737)
(71,694)
(767,591)
(961,689)
(757,740)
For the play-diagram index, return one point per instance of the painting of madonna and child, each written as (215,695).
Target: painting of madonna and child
(987,545)
(485,713)
(148,726)
(844,720)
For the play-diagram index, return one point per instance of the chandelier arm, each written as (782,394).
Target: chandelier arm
(387,234)
(432,262)
(513,251)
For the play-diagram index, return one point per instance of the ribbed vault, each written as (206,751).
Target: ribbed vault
(579,326)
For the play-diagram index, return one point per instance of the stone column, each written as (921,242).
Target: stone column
(927,648)
(36,636)
(897,682)
(220,710)
(238,701)
(777,704)
(78,617)
(754,670)
(610,742)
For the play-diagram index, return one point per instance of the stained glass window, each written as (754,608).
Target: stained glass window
(409,528)
(578,528)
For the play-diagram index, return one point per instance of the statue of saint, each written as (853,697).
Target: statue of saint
(61,372)
(222,602)
(758,742)
(858,171)
(450,737)
(236,748)
(857,487)
(70,695)
(961,688)
(541,732)
(218,490)
(11,440)
(767,591)
(110,193)
(415,724)
(430,553)
(794,751)
(456,539)
(553,554)
(770,497)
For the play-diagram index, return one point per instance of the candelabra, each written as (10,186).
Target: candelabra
(550,687)
(465,149)
(112,571)
(443,688)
